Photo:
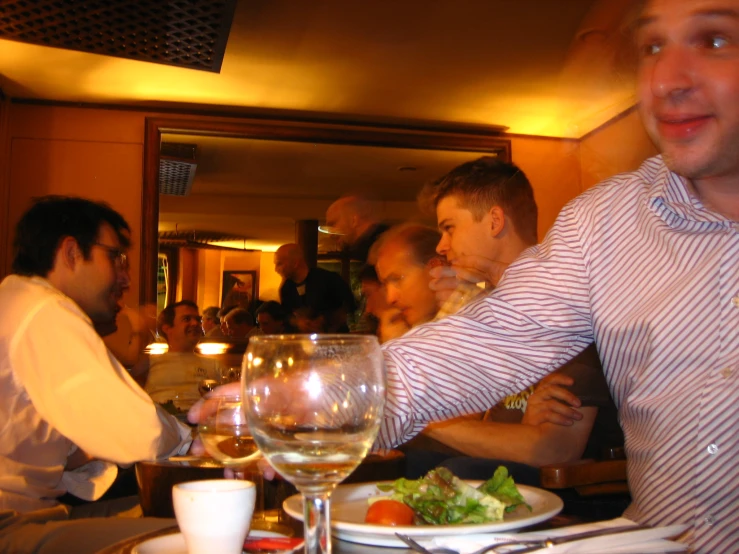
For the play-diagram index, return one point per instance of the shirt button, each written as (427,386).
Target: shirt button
(712,449)
(726,372)
(735,301)
(709,520)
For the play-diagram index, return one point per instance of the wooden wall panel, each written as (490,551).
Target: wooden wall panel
(105,171)
(5,107)
(619,146)
(553,168)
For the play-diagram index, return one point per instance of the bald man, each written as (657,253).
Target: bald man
(355,220)
(322,292)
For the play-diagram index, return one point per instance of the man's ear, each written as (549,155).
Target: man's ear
(355,221)
(497,221)
(69,253)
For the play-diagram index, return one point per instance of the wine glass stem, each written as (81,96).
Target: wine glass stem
(317,526)
(252,473)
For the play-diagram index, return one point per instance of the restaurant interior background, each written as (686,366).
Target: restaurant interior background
(315,100)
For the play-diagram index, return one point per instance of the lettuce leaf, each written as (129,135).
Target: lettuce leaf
(502,487)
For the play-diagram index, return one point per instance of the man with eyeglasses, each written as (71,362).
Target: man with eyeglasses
(66,403)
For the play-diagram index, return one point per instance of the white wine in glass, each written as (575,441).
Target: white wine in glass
(227,438)
(314,405)
(225,433)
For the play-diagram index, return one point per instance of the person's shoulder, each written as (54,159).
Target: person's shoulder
(624,187)
(26,297)
(324,274)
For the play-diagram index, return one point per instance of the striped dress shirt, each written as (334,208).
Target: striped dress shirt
(644,269)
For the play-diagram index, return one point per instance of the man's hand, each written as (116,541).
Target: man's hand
(207,406)
(551,402)
(471,269)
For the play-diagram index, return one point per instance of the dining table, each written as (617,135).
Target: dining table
(338,546)
(292,527)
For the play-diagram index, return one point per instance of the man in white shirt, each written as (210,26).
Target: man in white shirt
(64,399)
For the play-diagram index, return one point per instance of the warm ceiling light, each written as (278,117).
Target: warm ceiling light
(328,230)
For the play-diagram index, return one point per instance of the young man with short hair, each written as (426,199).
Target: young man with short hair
(487,214)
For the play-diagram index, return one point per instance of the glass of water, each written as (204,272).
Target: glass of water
(314,405)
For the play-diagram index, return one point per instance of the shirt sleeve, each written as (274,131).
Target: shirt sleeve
(79,388)
(535,320)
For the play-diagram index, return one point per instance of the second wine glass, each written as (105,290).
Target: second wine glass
(227,438)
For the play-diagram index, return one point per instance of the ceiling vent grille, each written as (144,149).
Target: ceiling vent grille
(177,167)
(183,33)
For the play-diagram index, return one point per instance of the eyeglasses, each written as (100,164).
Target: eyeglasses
(116,255)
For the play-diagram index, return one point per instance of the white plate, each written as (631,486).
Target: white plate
(175,543)
(349,508)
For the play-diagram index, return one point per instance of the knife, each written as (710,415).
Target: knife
(553,541)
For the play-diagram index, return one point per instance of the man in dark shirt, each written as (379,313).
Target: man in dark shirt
(322,292)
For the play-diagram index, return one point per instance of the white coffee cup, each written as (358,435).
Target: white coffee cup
(214,515)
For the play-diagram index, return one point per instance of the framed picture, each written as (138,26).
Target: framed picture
(240,288)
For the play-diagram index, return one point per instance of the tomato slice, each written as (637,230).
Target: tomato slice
(389,512)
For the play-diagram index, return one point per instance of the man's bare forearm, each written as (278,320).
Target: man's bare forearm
(528,444)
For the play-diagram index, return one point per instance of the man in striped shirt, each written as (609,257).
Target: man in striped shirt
(646,265)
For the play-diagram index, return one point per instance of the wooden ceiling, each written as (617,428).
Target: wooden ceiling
(538,67)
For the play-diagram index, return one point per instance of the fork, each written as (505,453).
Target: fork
(531,544)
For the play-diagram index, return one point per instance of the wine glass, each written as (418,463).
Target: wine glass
(314,404)
(206,386)
(226,437)
(225,432)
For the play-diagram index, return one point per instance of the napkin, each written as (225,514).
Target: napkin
(90,481)
(645,541)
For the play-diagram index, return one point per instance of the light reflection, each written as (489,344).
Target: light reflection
(314,386)
(156,348)
(211,348)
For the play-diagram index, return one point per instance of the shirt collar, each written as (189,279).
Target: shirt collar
(671,194)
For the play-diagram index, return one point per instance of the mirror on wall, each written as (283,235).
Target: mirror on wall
(235,192)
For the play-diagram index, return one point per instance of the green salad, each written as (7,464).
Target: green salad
(441,498)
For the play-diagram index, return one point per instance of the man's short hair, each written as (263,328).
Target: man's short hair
(52,218)
(212,313)
(167,315)
(419,240)
(240,317)
(484,183)
(274,310)
(224,311)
